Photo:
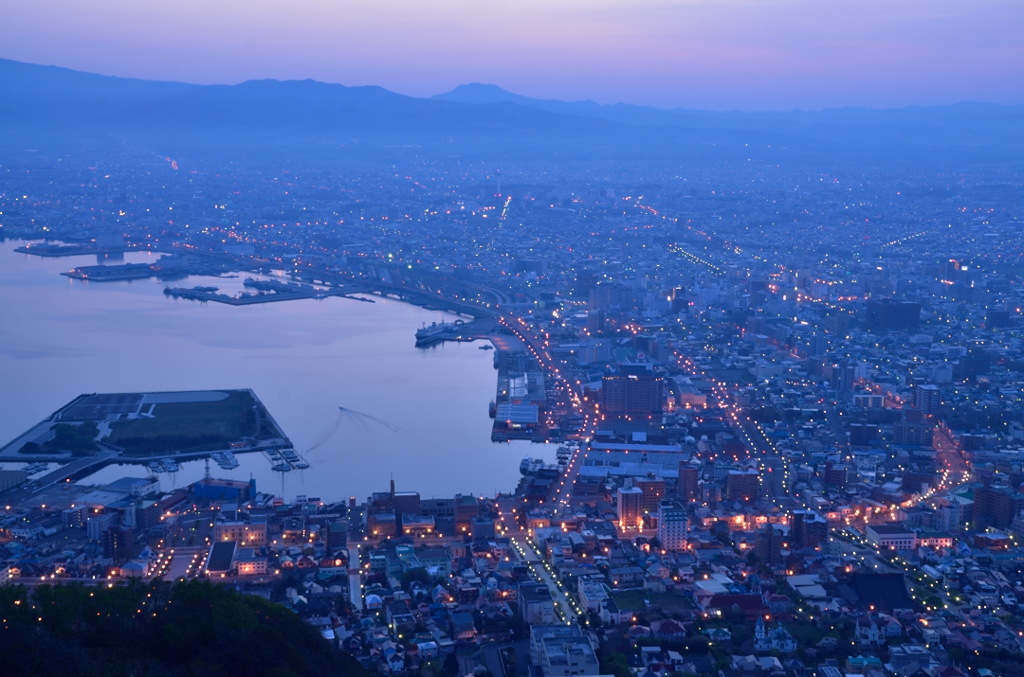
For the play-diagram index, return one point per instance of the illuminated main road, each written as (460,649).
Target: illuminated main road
(568,609)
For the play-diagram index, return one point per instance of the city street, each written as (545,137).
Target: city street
(565,607)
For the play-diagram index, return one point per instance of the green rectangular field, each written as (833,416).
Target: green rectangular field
(188,426)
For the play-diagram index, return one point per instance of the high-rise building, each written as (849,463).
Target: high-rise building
(834,475)
(673,523)
(405,503)
(594,350)
(336,535)
(912,431)
(891,314)
(631,395)
(654,490)
(584,282)
(773,477)
(807,529)
(630,506)
(466,509)
(118,544)
(689,476)
(768,545)
(863,434)
(995,507)
(842,376)
(927,398)
(948,515)
(817,345)
(743,485)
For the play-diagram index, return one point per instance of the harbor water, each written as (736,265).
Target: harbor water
(417,415)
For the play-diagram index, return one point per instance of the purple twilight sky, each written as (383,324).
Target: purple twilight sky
(713,54)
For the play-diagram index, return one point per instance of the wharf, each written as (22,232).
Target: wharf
(482,329)
(127,271)
(250,299)
(59,250)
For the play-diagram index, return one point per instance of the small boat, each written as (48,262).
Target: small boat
(487,346)
(155,466)
(281,467)
(169,464)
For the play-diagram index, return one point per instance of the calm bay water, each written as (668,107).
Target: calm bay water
(60,338)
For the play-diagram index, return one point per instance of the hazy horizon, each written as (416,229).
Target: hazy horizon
(521,94)
(729,55)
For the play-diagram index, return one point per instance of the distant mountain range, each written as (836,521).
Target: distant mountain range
(51,99)
(955,115)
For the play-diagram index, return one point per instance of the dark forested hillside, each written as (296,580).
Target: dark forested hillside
(164,629)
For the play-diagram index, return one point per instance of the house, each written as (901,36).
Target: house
(861,664)
(747,606)
(758,664)
(626,577)
(668,629)
(776,639)
(463,627)
(778,604)
(718,635)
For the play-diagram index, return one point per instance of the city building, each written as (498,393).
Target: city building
(673,523)
(630,508)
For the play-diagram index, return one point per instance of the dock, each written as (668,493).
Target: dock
(127,271)
(285,292)
(60,250)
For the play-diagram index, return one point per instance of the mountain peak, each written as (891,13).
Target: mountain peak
(477,92)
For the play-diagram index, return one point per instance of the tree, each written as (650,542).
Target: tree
(78,439)
(431,668)
(158,628)
(451,665)
(419,575)
(617,665)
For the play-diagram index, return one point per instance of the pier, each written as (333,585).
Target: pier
(287,292)
(61,250)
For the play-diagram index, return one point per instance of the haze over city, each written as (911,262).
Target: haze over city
(721,55)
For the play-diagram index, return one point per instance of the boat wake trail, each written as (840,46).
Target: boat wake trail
(360,416)
(357,425)
(326,435)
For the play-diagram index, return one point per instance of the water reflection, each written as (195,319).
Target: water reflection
(304,359)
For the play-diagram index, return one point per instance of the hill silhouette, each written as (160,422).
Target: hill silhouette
(159,629)
(45,102)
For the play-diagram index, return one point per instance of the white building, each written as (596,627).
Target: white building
(894,536)
(673,523)
(562,650)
